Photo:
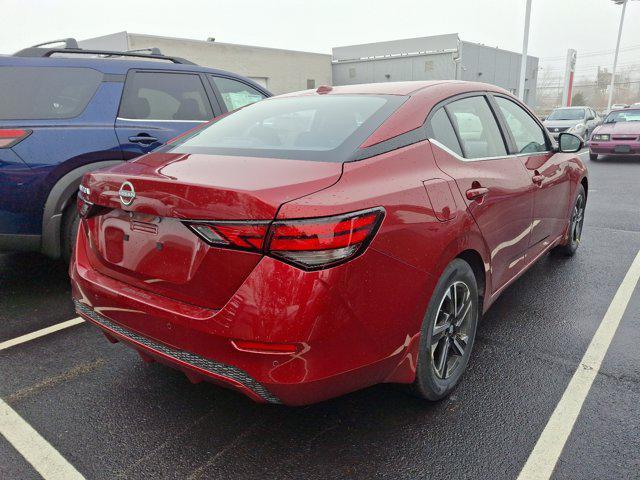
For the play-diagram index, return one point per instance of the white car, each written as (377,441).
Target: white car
(580,121)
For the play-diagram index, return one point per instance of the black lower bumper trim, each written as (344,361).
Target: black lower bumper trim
(211,366)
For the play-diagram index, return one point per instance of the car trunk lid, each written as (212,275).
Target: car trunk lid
(141,238)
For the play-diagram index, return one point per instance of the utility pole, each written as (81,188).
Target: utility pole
(615,58)
(525,45)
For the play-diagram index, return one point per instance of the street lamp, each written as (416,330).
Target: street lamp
(525,43)
(615,58)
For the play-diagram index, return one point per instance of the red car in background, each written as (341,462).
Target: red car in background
(618,135)
(320,242)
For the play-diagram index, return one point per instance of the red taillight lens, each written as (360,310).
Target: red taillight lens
(9,137)
(319,243)
(86,209)
(239,235)
(310,244)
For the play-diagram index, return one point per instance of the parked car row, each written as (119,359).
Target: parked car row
(298,248)
(66,111)
(618,134)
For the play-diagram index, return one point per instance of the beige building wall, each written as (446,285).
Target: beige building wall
(281,71)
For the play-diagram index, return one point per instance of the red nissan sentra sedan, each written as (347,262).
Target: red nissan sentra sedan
(316,243)
(618,135)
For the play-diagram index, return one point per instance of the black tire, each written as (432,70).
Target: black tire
(69,230)
(433,381)
(576,221)
(593,157)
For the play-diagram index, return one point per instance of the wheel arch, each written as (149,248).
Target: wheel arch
(58,200)
(585,184)
(474,259)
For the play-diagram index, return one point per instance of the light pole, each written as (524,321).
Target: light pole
(615,58)
(525,44)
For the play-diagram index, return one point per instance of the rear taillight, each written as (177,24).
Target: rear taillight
(10,136)
(309,244)
(323,242)
(237,235)
(86,209)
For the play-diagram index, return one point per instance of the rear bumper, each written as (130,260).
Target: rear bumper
(347,341)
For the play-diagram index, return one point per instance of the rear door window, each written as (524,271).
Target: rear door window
(477,128)
(165,96)
(46,93)
(236,94)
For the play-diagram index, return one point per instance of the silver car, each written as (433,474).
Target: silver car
(580,121)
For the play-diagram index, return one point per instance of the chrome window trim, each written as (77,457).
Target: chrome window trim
(158,120)
(501,157)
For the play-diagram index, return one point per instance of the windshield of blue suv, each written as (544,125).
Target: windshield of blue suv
(567,114)
(46,93)
(309,127)
(623,116)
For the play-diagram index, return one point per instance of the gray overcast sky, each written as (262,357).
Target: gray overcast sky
(317,25)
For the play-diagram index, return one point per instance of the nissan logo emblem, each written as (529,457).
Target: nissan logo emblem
(127,193)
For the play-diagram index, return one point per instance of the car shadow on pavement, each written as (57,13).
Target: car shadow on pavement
(36,293)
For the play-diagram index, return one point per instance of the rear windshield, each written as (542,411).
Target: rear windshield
(43,93)
(314,127)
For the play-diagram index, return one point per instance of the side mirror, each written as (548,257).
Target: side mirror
(569,143)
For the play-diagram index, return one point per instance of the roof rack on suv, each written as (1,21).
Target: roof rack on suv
(71,46)
(68,43)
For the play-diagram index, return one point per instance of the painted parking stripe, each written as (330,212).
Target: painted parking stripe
(40,333)
(36,450)
(545,454)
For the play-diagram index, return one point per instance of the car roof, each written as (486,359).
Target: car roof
(396,88)
(117,66)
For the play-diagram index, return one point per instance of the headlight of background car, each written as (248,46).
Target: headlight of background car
(579,128)
(600,137)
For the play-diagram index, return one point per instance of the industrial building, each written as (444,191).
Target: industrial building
(437,57)
(278,70)
(281,71)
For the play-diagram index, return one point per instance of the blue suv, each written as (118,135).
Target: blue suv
(66,111)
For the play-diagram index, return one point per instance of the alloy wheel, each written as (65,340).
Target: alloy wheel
(577,219)
(450,334)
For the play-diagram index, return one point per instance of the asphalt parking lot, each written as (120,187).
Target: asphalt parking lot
(111,415)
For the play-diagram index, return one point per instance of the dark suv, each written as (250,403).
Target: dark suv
(66,111)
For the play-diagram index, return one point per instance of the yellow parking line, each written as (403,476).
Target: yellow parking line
(545,454)
(36,450)
(40,333)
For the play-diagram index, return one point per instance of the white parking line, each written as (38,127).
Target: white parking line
(40,333)
(36,450)
(545,454)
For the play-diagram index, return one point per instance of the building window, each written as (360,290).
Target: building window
(428,66)
(352,72)
(311,83)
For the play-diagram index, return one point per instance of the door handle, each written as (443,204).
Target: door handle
(143,138)
(476,193)
(537,179)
